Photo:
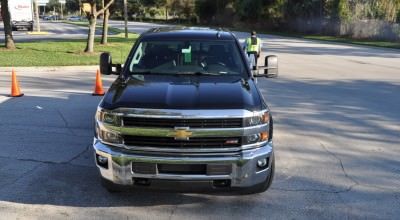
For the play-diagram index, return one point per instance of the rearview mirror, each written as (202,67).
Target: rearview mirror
(106,65)
(270,68)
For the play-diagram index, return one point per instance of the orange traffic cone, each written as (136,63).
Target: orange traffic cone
(15,91)
(98,89)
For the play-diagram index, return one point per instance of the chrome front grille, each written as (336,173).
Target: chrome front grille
(194,142)
(192,123)
(178,131)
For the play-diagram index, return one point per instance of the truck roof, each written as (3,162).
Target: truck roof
(187,33)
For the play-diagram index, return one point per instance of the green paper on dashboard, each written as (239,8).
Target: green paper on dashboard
(187,54)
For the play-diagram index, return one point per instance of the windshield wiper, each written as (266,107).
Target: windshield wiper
(198,73)
(143,72)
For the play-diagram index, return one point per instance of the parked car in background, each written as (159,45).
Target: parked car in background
(51,18)
(74,18)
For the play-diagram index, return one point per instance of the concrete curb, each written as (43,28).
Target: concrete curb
(39,33)
(50,68)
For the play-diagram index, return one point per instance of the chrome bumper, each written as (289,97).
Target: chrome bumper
(245,172)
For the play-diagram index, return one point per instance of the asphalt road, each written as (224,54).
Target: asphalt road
(59,30)
(337,138)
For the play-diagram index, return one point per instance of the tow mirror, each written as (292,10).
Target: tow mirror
(106,65)
(270,68)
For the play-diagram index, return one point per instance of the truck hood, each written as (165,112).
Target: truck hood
(183,92)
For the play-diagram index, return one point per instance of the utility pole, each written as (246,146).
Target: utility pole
(126,18)
(37,16)
(62,13)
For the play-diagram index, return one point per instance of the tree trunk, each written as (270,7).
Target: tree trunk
(126,18)
(37,16)
(104,37)
(91,34)
(9,40)
(92,17)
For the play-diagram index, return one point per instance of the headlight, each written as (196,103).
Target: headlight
(104,118)
(108,136)
(263,118)
(108,117)
(258,119)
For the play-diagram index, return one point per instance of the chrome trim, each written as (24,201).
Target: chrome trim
(196,132)
(197,150)
(180,177)
(184,113)
(244,169)
(187,150)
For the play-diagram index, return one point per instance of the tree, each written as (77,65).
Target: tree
(72,5)
(187,8)
(5,13)
(53,5)
(249,9)
(106,16)
(344,10)
(92,18)
(206,10)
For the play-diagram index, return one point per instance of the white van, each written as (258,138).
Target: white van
(21,12)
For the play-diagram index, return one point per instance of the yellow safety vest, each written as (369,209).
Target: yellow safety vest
(252,47)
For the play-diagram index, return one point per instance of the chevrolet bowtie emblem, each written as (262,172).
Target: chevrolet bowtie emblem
(182,133)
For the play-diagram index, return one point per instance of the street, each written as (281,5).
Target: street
(337,135)
(58,30)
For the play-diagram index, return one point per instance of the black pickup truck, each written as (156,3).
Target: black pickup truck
(185,108)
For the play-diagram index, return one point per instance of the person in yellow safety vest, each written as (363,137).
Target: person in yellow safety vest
(252,45)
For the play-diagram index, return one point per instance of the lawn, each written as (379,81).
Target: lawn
(346,40)
(375,43)
(65,52)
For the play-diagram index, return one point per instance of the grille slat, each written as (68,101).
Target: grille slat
(163,142)
(192,123)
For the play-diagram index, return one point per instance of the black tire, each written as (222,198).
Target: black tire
(264,186)
(272,75)
(271,129)
(110,186)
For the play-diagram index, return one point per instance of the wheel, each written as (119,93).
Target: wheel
(110,186)
(272,75)
(274,62)
(264,186)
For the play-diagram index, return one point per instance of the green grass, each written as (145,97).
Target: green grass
(346,40)
(375,43)
(65,52)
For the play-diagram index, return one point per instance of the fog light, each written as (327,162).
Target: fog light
(262,163)
(102,161)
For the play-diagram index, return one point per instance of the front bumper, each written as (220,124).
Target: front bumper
(244,173)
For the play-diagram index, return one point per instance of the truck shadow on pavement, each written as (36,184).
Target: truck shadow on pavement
(47,158)
(46,155)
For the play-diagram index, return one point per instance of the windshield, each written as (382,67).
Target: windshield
(187,57)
